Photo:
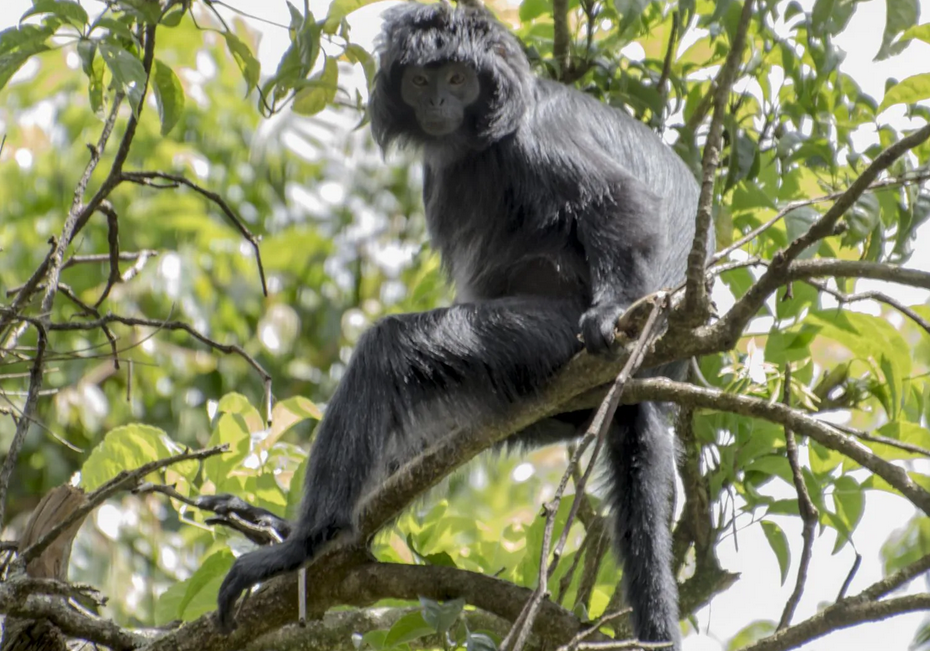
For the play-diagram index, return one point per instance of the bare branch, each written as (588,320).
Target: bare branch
(695,301)
(229,349)
(809,513)
(838,616)
(175,180)
(25,420)
(873,296)
(113,245)
(105,257)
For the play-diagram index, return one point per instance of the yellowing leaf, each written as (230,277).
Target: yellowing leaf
(909,91)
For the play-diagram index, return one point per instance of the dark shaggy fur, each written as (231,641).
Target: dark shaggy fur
(552,213)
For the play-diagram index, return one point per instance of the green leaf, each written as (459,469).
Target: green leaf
(479,642)
(249,66)
(798,222)
(410,627)
(127,72)
(145,10)
(441,616)
(357,54)
(904,432)
(869,338)
(297,61)
(233,430)
(909,91)
(168,606)
(532,9)
(778,541)
(26,37)
(631,10)
(10,63)
(751,633)
(919,32)
(319,92)
(204,585)
(900,15)
(849,504)
(169,96)
(67,10)
(87,50)
(95,85)
(823,460)
(288,413)
(117,28)
(821,13)
(123,448)
(173,17)
(339,9)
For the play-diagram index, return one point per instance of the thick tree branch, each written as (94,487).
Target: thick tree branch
(823,433)
(838,616)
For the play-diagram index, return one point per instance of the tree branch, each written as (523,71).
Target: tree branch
(696,307)
(809,513)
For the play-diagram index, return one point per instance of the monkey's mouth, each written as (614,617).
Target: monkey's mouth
(437,124)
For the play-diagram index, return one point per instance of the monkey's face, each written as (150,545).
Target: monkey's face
(439,94)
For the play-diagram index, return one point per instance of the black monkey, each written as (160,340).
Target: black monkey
(552,213)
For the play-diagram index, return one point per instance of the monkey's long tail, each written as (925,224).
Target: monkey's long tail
(641,455)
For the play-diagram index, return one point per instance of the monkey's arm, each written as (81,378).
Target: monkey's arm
(623,239)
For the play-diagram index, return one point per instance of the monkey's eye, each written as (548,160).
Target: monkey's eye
(457,79)
(419,80)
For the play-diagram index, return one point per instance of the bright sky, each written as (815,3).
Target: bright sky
(756,595)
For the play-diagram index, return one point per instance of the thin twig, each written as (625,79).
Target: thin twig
(665,390)
(809,513)
(849,577)
(843,297)
(25,420)
(667,70)
(233,349)
(603,619)
(105,257)
(175,180)
(126,479)
(560,36)
(884,440)
(779,271)
(917,178)
(113,245)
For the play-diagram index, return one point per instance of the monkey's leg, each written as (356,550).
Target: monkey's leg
(641,459)
(410,378)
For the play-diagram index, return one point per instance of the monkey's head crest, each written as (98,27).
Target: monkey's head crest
(419,35)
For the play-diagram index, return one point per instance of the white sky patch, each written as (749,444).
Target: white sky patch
(523,472)
(108,521)
(23,158)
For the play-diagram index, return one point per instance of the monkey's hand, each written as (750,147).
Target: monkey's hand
(599,327)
